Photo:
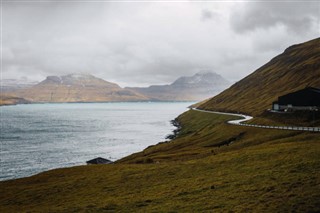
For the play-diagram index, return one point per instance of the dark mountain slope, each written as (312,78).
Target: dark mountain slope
(296,68)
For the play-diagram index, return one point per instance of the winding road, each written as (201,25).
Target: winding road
(247,118)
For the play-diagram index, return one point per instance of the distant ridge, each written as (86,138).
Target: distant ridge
(77,88)
(9,85)
(88,88)
(200,86)
(297,67)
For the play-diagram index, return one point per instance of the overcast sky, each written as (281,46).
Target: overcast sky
(143,42)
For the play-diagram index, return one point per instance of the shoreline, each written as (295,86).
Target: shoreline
(165,139)
(100,102)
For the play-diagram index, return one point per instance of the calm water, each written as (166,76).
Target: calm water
(40,137)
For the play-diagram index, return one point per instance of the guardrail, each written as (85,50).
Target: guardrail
(244,118)
(294,128)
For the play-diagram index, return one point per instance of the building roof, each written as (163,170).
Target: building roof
(313,89)
(99,160)
(309,96)
(309,89)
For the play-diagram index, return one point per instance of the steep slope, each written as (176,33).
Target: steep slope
(78,88)
(187,88)
(296,68)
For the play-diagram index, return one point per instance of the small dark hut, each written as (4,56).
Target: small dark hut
(305,99)
(99,160)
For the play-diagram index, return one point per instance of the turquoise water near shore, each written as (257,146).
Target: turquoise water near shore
(39,137)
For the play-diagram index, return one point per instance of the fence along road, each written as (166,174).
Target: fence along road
(247,118)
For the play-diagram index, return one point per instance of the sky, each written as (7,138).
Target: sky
(141,43)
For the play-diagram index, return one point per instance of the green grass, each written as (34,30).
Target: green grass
(261,171)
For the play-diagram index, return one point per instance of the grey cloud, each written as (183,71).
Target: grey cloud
(207,14)
(298,17)
(138,43)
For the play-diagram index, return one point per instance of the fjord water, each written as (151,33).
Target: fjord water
(39,137)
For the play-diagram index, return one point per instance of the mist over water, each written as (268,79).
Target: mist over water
(39,137)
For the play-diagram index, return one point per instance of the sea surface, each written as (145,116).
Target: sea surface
(39,137)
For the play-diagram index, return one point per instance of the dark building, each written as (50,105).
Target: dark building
(305,99)
(99,161)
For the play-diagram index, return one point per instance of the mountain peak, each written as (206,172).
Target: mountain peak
(81,79)
(74,76)
(200,86)
(79,75)
(201,78)
(206,72)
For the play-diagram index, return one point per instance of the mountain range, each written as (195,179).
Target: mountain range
(77,88)
(88,88)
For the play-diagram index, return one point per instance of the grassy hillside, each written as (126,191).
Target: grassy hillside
(260,171)
(296,68)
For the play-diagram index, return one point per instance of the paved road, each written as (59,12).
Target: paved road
(247,118)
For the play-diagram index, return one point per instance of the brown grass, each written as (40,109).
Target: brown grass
(262,171)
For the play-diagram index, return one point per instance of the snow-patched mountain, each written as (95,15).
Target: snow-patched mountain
(205,79)
(77,88)
(200,86)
